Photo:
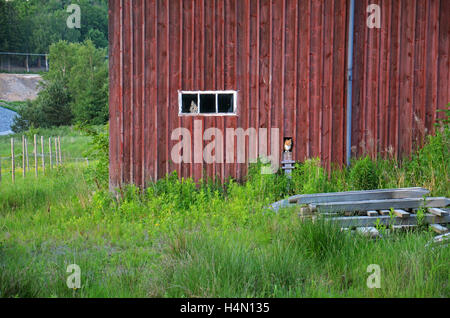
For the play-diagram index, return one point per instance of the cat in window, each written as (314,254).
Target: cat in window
(287,145)
(194,108)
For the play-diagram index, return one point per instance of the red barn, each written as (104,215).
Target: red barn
(277,68)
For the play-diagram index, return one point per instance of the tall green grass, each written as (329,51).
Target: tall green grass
(179,239)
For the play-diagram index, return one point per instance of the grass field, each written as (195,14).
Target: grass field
(179,240)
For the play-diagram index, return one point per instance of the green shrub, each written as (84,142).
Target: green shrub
(98,171)
(430,166)
(310,177)
(364,175)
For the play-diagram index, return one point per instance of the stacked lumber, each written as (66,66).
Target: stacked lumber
(365,209)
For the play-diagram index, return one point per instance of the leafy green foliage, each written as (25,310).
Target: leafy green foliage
(364,174)
(310,177)
(34,25)
(74,91)
(98,171)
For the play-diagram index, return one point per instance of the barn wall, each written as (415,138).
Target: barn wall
(287,60)
(401,75)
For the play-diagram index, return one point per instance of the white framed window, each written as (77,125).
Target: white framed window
(207,103)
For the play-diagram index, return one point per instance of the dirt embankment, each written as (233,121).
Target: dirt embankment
(19,87)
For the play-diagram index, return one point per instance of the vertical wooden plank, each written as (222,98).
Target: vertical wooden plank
(315,76)
(443,52)
(264,66)
(243,78)
(127,92)
(432,64)
(327,88)
(144,128)
(162,86)
(418,111)
(136,83)
(358,76)
(254,69)
(362,148)
(372,83)
(278,67)
(121,104)
(406,77)
(295,85)
(180,68)
(270,71)
(394,77)
(384,78)
(55,145)
(114,92)
(59,149)
(42,154)
(174,74)
(289,68)
(302,139)
(35,156)
(209,70)
(50,152)
(26,154)
(338,83)
(230,73)
(188,72)
(151,90)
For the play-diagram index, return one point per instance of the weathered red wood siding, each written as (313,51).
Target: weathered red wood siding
(287,60)
(401,74)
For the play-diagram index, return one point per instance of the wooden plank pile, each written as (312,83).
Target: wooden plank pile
(364,209)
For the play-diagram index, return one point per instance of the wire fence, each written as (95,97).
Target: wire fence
(23,62)
(35,158)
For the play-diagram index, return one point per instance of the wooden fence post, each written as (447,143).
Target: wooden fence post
(56,151)
(35,156)
(23,155)
(59,150)
(50,151)
(43,155)
(13,165)
(26,153)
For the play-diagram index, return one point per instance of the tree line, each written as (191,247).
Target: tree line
(31,26)
(73,91)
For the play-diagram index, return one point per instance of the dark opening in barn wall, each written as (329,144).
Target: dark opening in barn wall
(225,103)
(289,72)
(207,103)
